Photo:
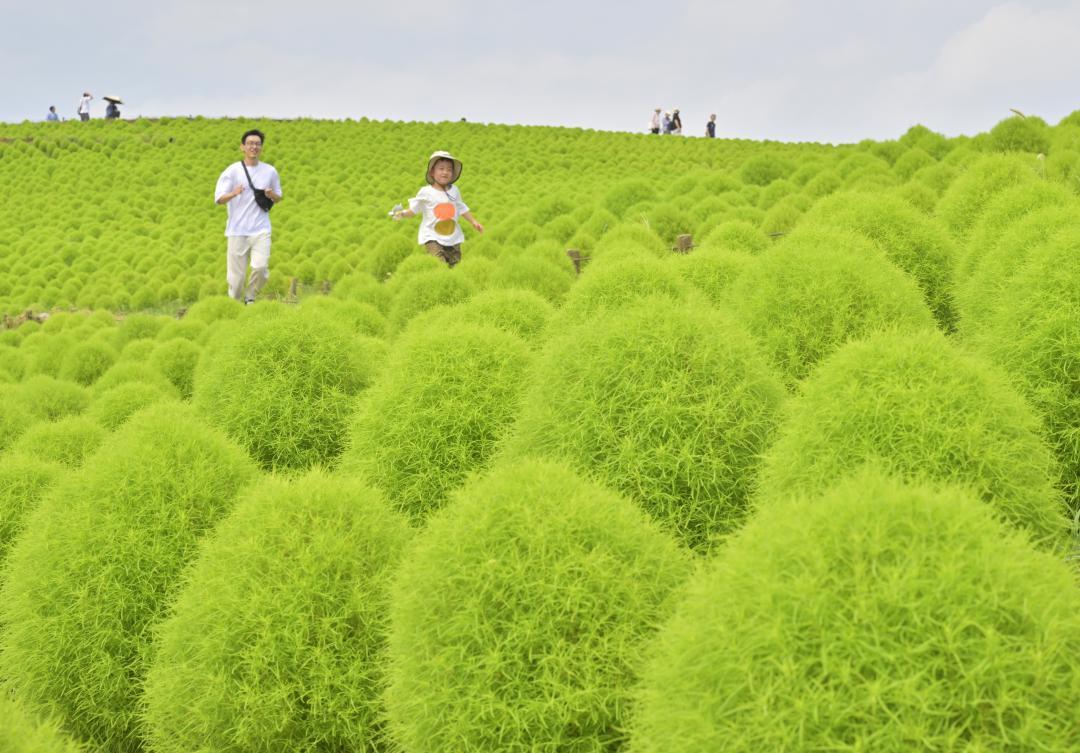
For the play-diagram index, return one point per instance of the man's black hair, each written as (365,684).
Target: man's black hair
(252,132)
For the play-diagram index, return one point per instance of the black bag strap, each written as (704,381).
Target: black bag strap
(247,174)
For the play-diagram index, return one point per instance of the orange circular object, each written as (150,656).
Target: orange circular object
(444,211)
(445,227)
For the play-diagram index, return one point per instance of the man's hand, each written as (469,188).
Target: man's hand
(238,190)
(271,194)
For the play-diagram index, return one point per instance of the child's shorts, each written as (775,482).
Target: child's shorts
(449,254)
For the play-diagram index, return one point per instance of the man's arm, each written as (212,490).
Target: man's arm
(227,197)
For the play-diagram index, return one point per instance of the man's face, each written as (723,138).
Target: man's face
(443,171)
(252,147)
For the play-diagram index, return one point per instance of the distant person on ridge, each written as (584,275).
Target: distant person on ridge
(667,123)
(654,124)
(249,189)
(710,127)
(112,112)
(676,121)
(441,205)
(84,106)
(52,116)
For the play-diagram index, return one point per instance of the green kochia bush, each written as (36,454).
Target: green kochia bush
(67,441)
(1034,335)
(437,412)
(96,564)
(608,286)
(86,361)
(519,616)
(919,407)
(283,385)
(966,199)
(21,732)
(23,480)
(50,399)
(666,402)
(118,404)
(911,241)
(819,289)
(519,312)
(877,617)
(277,639)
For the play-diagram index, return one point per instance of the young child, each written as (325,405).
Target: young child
(440,204)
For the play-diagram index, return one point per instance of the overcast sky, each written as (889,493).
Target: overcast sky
(831,70)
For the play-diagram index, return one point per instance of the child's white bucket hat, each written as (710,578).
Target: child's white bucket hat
(435,157)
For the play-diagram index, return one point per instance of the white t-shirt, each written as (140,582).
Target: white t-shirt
(440,210)
(245,217)
(84,105)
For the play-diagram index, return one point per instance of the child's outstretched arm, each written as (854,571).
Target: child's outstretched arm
(473,222)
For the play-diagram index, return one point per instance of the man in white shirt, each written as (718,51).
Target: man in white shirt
(84,106)
(248,226)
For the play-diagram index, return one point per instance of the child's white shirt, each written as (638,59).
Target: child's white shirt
(440,211)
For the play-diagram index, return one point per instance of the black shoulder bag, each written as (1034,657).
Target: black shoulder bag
(265,202)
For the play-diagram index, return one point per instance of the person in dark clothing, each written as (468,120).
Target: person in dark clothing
(710,127)
(676,121)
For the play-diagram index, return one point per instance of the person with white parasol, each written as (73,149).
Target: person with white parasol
(112,112)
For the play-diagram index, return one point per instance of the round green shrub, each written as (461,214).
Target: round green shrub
(24,479)
(388,254)
(519,312)
(519,615)
(21,732)
(711,270)
(424,290)
(96,565)
(876,617)
(437,412)
(763,169)
(629,237)
(917,406)
(363,288)
(737,235)
(283,386)
(911,241)
(536,274)
(607,286)
(66,441)
(132,372)
(980,294)
(626,194)
(1018,134)
(277,638)
(666,402)
(50,399)
(14,417)
(911,161)
(818,289)
(781,219)
(45,351)
(213,309)
(1009,207)
(176,359)
(137,327)
(1033,334)
(138,350)
(12,362)
(112,408)
(965,200)
(87,361)
(362,318)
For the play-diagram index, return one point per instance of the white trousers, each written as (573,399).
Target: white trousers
(243,249)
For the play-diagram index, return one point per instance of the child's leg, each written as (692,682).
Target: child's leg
(449,254)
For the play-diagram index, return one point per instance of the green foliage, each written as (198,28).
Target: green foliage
(131,372)
(876,617)
(911,241)
(711,270)
(87,361)
(176,359)
(49,399)
(664,401)
(818,289)
(1017,134)
(520,613)
(618,284)
(964,202)
(66,441)
(24,478)
(282,386)
(437,412)
(362,318)
(277,638)
(518,312)
(14,417)
(214,309)
(1033,334)
(96,564)
(917,406)
(21,732)
(763,169)
(737,235)
(425,290)
(115,406)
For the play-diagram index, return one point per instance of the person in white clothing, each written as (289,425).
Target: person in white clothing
(84,106)
(441,205)
(654,123)
(248,226)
